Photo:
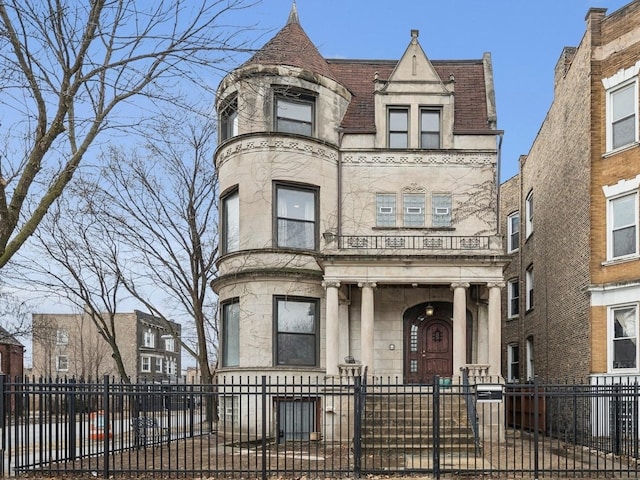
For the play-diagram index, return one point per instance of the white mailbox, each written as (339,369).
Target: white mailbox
(489,392)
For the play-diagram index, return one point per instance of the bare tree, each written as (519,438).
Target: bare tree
(13,315)
(74,255)
(163,203)
(71,70)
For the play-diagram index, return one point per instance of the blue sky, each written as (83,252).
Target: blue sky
(525,39)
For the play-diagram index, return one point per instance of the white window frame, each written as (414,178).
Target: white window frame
(145,363)
(530,359)
(172,366)
(511,361)
(622,79)
(170,344)
(159,365)
(149,338)
(513,232)
(60,365)
(528,208)
(62,337)
(611,230)
(529,285)
(510,297)
(612,339)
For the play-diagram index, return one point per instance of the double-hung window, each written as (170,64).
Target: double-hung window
(229,119)
(296,217)
(513,232)
(530,359)
(149,339)
(62,337)
(159,365)
(513,362)
(398,123)
(624,337)
(294,113)
(528,209)
(441,209)
(529,285)
(62,363)
(386,209)
(622,107)
(296,331)
(622,226)
(231,334)
(414,204)
(145,364)
(231,222)
(513,298)
(429,128)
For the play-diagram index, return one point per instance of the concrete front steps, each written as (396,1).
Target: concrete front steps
(397,430)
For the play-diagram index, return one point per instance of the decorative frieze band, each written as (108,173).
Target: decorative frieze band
(445,158)
(293,145)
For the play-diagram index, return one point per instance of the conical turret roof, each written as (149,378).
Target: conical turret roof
(291,46)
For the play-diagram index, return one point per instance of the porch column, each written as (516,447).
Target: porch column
(459,326)
(343,330)
(366,326)
(483,334)
(495,336)
(331,329)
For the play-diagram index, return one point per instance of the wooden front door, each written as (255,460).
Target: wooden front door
(428,350)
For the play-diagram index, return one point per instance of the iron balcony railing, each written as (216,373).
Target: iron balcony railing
(413,242)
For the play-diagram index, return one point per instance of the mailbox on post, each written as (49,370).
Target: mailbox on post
(489,392)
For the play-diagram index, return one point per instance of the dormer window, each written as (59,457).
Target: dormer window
(229,119)
(398,127)
(294,113)
(429,128)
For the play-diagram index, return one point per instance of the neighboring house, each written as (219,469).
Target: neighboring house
(573,289)
(358,214)
(69,345)
(11,355)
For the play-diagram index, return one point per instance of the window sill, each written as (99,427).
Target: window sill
(515,317)
(528,311)
(611,153)
(515,250)
(616,261)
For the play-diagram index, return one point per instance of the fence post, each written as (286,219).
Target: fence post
(3,430)
(357,426)
(436,426)
(264,427)
(107,420)
(536,433)
(71,420)
(634,434)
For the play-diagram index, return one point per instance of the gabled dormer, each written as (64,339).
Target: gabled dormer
(414,107)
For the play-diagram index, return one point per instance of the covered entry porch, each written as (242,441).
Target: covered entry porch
(411,320)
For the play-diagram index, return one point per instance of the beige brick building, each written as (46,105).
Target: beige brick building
(70,345)
(359,214)
(577,259)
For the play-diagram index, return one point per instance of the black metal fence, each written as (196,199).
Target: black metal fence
(277,426)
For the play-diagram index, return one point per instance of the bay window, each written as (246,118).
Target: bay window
(231,222)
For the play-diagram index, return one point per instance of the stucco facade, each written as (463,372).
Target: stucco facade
(582,247)
(358,214)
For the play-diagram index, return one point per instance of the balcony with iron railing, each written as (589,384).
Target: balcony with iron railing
(423,243)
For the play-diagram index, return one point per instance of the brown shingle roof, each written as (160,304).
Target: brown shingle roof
(291,46)
(7,339)
(358,75)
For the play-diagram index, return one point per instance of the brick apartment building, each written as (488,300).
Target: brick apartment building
(70,345)
(11,355)
(571,217)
